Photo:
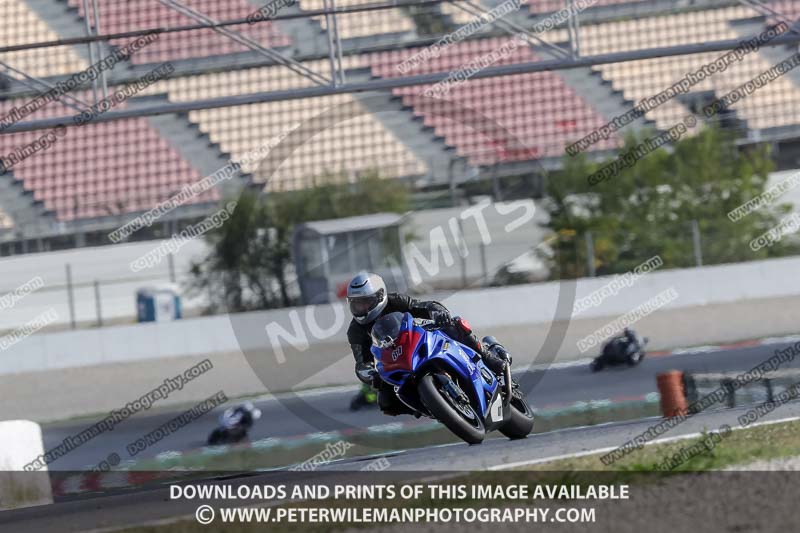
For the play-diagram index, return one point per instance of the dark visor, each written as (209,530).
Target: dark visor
(362,305)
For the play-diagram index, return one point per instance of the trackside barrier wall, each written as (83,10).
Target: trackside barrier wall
(49,374)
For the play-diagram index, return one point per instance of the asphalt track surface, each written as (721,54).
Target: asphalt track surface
(285,418)
(133,507)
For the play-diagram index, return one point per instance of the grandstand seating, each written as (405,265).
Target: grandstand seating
(773,106)
(348,145)
(362,23)
(123,15)
(85,175)
(20,25)
(777,104)
(100,169)
(548,6)
(788,9)
(537,109)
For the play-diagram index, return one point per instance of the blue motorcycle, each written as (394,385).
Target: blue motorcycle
(440,378)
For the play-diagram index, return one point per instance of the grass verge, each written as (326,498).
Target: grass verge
(739,447)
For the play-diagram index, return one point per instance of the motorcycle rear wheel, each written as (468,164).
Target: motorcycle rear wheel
(468,428)
(216,438)
(635,358)
(520,424)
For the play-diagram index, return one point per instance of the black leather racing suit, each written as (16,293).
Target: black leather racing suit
(358,335)
(619,347)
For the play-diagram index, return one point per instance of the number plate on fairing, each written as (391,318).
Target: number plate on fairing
(496,409)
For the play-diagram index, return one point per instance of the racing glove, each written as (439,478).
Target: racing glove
(366,373)
(441,318)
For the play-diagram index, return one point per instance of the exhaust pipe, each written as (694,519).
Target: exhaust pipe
(507,376)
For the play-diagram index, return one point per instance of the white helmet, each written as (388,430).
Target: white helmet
(367,297)
(254,411)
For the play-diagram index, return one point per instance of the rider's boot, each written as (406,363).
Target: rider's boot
(495,356)
(389,403)
(494,363)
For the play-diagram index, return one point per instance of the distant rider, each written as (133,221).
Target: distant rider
(626,342)
(368,300)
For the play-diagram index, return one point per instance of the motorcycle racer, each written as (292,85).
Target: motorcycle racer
(368,300)
(242,415)
(623,343)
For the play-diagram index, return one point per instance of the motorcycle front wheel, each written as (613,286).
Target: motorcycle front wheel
(458,416)
(635,358)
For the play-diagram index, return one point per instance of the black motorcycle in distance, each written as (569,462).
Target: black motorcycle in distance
(620,351)
(234,425)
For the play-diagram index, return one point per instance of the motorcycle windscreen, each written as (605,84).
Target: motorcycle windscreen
(400,355)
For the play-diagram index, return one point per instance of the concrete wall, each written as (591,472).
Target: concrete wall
(51,375)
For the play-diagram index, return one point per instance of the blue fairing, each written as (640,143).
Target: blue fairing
(418,347)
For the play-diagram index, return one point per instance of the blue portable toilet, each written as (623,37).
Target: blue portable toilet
(160,303)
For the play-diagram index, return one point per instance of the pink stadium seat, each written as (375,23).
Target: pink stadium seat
(522,104)
(789,9)
(100,169)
